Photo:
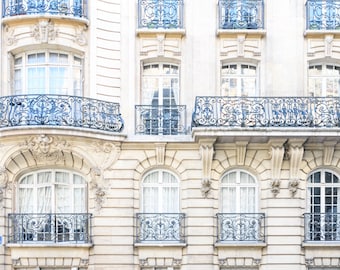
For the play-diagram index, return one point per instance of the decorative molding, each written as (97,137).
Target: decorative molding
(160,39)
(80,37)
(240,262)
(241,150)
(3,185)
(207,153)
(160,262)
(277,151)
(10,38)
(328,152)
(293,185)
(323,262)
(160,153)
(44,31)
(46,149)
(98,187)
(329,45)
(240,44)
(108,153)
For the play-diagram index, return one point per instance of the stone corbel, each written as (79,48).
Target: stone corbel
(277,151)
(328,152)
(241,150)
(160,153)
(3,185)
(296,151)
(207,153)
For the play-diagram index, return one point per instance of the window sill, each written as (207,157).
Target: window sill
(54,245)
(160,244)
(240,244)
(321,244)
(148,31)
(232,32)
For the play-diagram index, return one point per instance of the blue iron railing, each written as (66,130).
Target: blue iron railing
(165,227)
(240,227)
(73,8)
(323,15)
(322,227)
(163,14)
(59,110)
(241,14)
(266,112)
(160,120)
(55,228)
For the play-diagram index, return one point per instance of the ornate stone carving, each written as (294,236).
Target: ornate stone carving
(329,45)
(46,149)
(328,152)
(277,155)
(10,37)
(293,186)
(240,262)
(97,185)
(3,184)
(108,153)
(207,152)
(240,44)
(160,39)
(296,151)
(80,36)
(44,31)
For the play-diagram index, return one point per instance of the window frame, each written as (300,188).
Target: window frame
(74,72)
(238,73)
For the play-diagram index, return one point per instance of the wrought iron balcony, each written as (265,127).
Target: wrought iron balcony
(58,110)
(322,227)
(52,228)
(165,227)
(245,14)
(266,112)
(240,227)
(72,8)
(160,14)
(160,120)
(323,15)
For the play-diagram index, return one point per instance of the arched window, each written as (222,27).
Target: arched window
(160,193)
(48,72)
(323,201)
(239,219)
(324,80)
(160,219)
(51,207)
(238,80)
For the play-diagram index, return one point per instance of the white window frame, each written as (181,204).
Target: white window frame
(73,76)
(236,81)
(323,77)
(238,186)
(322,188)
(161,187)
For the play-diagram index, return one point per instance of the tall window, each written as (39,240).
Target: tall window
(51,207)
(160,98)
(160,220)
(239,219)
(48,72)
(324,80)
(322,221)
(160,193)
(238,80)
(239,193)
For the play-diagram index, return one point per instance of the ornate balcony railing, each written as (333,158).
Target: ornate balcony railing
(165,227)
(267,112)
(245,14)
(160,120)
(323,15)
(55,228)
(59,110)
(322,227)
(160,14)
(240,227)
(72,8)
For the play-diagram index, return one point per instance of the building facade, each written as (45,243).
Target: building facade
(170,135)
